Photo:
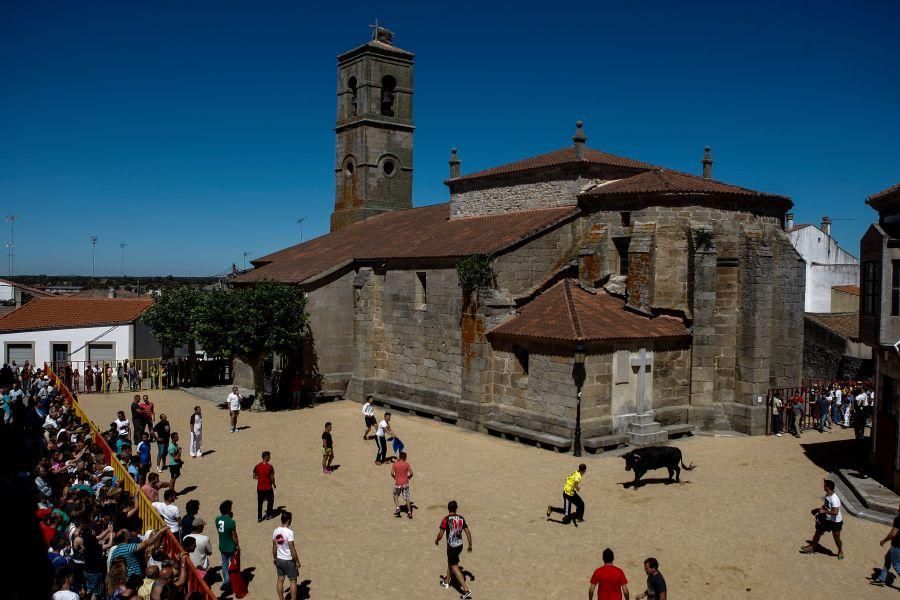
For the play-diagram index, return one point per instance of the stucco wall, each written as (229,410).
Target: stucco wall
(526,196)
(121,336)
(827,265)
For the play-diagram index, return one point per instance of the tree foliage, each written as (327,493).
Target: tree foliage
(171,317)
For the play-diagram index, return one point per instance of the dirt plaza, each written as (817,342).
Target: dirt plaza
(731,529)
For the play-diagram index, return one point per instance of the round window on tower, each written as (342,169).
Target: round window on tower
(389,166)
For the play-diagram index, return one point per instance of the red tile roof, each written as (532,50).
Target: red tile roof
(569,313)
(665,182)
(62,313)
(425,232)
(27,288)
(563,156)
(845,325)
(847,289)
(885,199)
(885,192)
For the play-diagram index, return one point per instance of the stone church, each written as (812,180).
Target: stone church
(682,293)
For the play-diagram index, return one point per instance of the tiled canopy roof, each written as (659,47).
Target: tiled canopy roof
(378,46)
(561,157)
(26,288)
(664,182)
(845,325)
(62,313)
(568,313)
(887,198)
(425,232)
(894,188)
(847,289)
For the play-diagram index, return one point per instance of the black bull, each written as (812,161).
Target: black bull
(642,460)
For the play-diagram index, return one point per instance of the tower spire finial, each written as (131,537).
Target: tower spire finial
(579,139)
(707,163)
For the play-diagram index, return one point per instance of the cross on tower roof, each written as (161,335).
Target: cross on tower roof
(381,34)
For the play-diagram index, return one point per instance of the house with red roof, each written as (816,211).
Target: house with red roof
(575,297)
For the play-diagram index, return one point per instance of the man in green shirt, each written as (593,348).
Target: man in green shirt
(174,461)
(228,538)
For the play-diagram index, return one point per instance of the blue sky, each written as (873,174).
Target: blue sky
(196,131)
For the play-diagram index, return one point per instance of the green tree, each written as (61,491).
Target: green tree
(252,323)
(171,318)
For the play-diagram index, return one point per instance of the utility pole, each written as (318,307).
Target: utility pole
(94,239)
(246,254)
(300,223)
(12,243)
(122,246)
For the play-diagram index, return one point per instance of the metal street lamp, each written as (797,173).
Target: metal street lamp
(578,375)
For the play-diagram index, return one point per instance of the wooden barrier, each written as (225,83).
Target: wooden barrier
(150,518)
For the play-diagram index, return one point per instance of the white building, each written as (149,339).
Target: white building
(77,329)
(827,264)
(13,295)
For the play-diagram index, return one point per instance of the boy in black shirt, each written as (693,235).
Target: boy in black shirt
(656,584)
(327,449)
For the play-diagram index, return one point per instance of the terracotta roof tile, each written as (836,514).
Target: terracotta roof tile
(425,232)
(894,188)
(563,156)
(664,181)
(569,313)
(60,313)
(847,289)
(844,324)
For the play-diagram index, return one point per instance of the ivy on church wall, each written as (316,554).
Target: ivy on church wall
(475,272)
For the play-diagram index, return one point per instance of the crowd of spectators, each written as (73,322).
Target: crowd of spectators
(84,527)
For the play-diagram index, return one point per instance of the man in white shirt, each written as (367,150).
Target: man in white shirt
(287,563)
(169,512)
(828,518)
(384,428)
(122,425)
(196,433)
(234,406)
(368,412)
(200,555)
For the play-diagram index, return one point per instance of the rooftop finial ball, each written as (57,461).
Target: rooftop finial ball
(579,124)
(453,150)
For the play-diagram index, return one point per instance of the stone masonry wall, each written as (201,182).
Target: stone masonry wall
(509,198)
(787,311)
(331,312)
(524,267)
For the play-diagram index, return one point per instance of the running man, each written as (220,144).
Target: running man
(571,497)
(264,474)
(454,525)
(828,518)
(368,412)
(327,450)
(234,407)
(384,428)
(196,433)
(284,553)
(402,473)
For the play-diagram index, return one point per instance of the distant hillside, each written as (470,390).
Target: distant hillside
(108,282)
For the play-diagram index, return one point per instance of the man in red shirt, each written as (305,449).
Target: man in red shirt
(264,474)
(402,473)
(608,580)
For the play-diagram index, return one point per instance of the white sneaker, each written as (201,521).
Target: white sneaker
(778,434)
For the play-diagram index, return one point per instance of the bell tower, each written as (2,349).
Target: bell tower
(374,133)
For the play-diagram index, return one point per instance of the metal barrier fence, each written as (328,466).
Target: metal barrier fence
(132,375)
(149,517)
(808,393)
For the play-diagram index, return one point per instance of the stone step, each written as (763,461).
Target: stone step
(520,433)
(416,408)
(643,419)
(644,428)
(604,443)
(647,439)
(679,430)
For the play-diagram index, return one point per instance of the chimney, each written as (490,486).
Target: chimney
(707,163)
(454,163)
(112,293)
(789,221)
(579,139)
(826,225)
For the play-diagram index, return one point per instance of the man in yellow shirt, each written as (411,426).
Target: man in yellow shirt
(571,497)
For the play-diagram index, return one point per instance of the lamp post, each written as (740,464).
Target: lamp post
(578,375)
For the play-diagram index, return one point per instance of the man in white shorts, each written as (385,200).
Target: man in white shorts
(234,407)
(284,553)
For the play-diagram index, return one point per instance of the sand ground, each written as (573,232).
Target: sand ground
(731,529)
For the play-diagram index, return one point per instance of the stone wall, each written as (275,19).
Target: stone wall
(788,285)
(331,353)
(513,197)
(520,269)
